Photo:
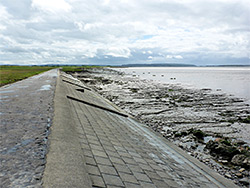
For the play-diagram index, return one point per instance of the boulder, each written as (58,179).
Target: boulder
(238,159)
(244,181)
(221,149)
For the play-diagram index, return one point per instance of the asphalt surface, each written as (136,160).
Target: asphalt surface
(95,144)
(26,113)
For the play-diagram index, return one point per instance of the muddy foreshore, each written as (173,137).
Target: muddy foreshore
(213,127)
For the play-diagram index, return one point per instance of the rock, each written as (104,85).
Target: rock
(228,175)
(222,149)
(224,161)
(244,181)
(239,175)
(218,139)
(238,159)
(246,162)
(242,169)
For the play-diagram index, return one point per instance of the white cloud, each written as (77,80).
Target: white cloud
(118,52)
(77,31)
(53,6)
(174,57)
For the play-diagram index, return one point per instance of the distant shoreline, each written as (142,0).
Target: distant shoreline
(131,65)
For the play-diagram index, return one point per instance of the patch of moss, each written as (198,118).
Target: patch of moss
(197,133)
(134,90)
(226,142)
(245,120)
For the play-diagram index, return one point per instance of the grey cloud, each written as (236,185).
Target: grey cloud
(119,32)
(18,9)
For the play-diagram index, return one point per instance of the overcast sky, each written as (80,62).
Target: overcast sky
(124,31)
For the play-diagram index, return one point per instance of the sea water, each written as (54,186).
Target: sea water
(230,80)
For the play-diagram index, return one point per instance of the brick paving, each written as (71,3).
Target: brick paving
(120,152)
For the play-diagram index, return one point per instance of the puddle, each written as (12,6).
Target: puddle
(200,148)
(4,97)
(16,147)
(22,87)
(208,138)
(7,91)
(45,87)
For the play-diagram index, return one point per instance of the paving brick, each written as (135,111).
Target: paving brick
(106,141)
(91,141)
(107,169)
(96,147)
(122,168)
(145,167)
(159,183)
(85,146)
(147,185)
(116,143)
(91,136)
(90,161)
(119,148)
(109,148)
(117,160)
(132,185)
(112,153)
(164,174)
(128,178)
(87,152)
(129,160)
(113,186)
(99,153)
(103,160)
(124,154)
(112,180)
(171,183)
(97,181)
(142,177)
(93,170)
(135,168)
(140,160)
(154,175)
(156,167)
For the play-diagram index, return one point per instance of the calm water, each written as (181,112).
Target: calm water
(230,80)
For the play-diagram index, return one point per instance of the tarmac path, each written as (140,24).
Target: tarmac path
(26,112)
(95,144)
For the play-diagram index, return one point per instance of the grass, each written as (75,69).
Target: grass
(77,68)
(11,74)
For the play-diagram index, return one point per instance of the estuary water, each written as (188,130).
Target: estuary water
(230,80)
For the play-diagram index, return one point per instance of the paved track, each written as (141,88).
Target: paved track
(94,144)
(26,112)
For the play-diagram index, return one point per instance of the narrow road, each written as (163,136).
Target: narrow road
(26,112)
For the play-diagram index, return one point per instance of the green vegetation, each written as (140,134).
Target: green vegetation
(134,90)
(77,68)
(10,74)
(245,120)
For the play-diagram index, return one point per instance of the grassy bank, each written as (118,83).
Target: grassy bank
(77,68)
(10,74)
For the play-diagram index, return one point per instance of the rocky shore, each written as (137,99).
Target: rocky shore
(211,126)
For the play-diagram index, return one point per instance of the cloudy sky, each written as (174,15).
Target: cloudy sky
(116,32)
